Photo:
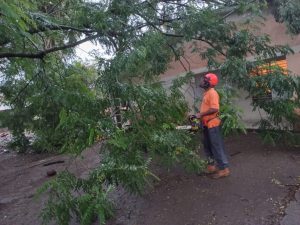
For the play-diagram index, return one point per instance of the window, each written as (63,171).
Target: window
(267,68)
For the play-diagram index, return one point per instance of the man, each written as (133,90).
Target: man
(212,139)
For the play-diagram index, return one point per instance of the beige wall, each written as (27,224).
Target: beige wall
(191,61)
(294,63)
(278,32)
(279,36)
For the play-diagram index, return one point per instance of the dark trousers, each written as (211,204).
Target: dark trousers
(214,147)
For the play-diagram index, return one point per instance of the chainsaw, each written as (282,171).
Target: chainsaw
(195,124)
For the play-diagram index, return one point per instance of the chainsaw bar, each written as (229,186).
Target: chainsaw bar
(184,127)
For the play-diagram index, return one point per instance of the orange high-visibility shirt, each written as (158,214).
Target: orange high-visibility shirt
(210,100)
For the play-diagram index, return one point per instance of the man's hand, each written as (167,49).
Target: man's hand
(199,115)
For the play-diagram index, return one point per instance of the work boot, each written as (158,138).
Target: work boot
(221,173)
(211,169)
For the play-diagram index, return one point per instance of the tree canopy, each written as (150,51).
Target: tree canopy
(287,12)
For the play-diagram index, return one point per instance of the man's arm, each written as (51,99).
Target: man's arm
(208,112)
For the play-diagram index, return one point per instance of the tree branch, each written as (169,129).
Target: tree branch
(59,27)
(41,54)
(179,35)
(177,56)
(194,38)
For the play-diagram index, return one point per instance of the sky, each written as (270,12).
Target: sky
(87,50)
(83,51)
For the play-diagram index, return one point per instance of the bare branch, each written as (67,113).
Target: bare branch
(187,61)
(60,27)
(41,54)
(178,56)
(52,10)
(194,38)
(180,36)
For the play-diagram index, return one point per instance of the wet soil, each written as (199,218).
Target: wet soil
(263,181)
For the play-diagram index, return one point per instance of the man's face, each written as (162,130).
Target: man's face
(204,83)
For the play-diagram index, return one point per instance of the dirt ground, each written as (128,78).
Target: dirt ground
(263,183)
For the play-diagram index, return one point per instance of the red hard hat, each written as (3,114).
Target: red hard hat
(212,79)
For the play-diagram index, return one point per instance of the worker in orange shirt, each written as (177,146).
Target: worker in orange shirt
(212,138)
